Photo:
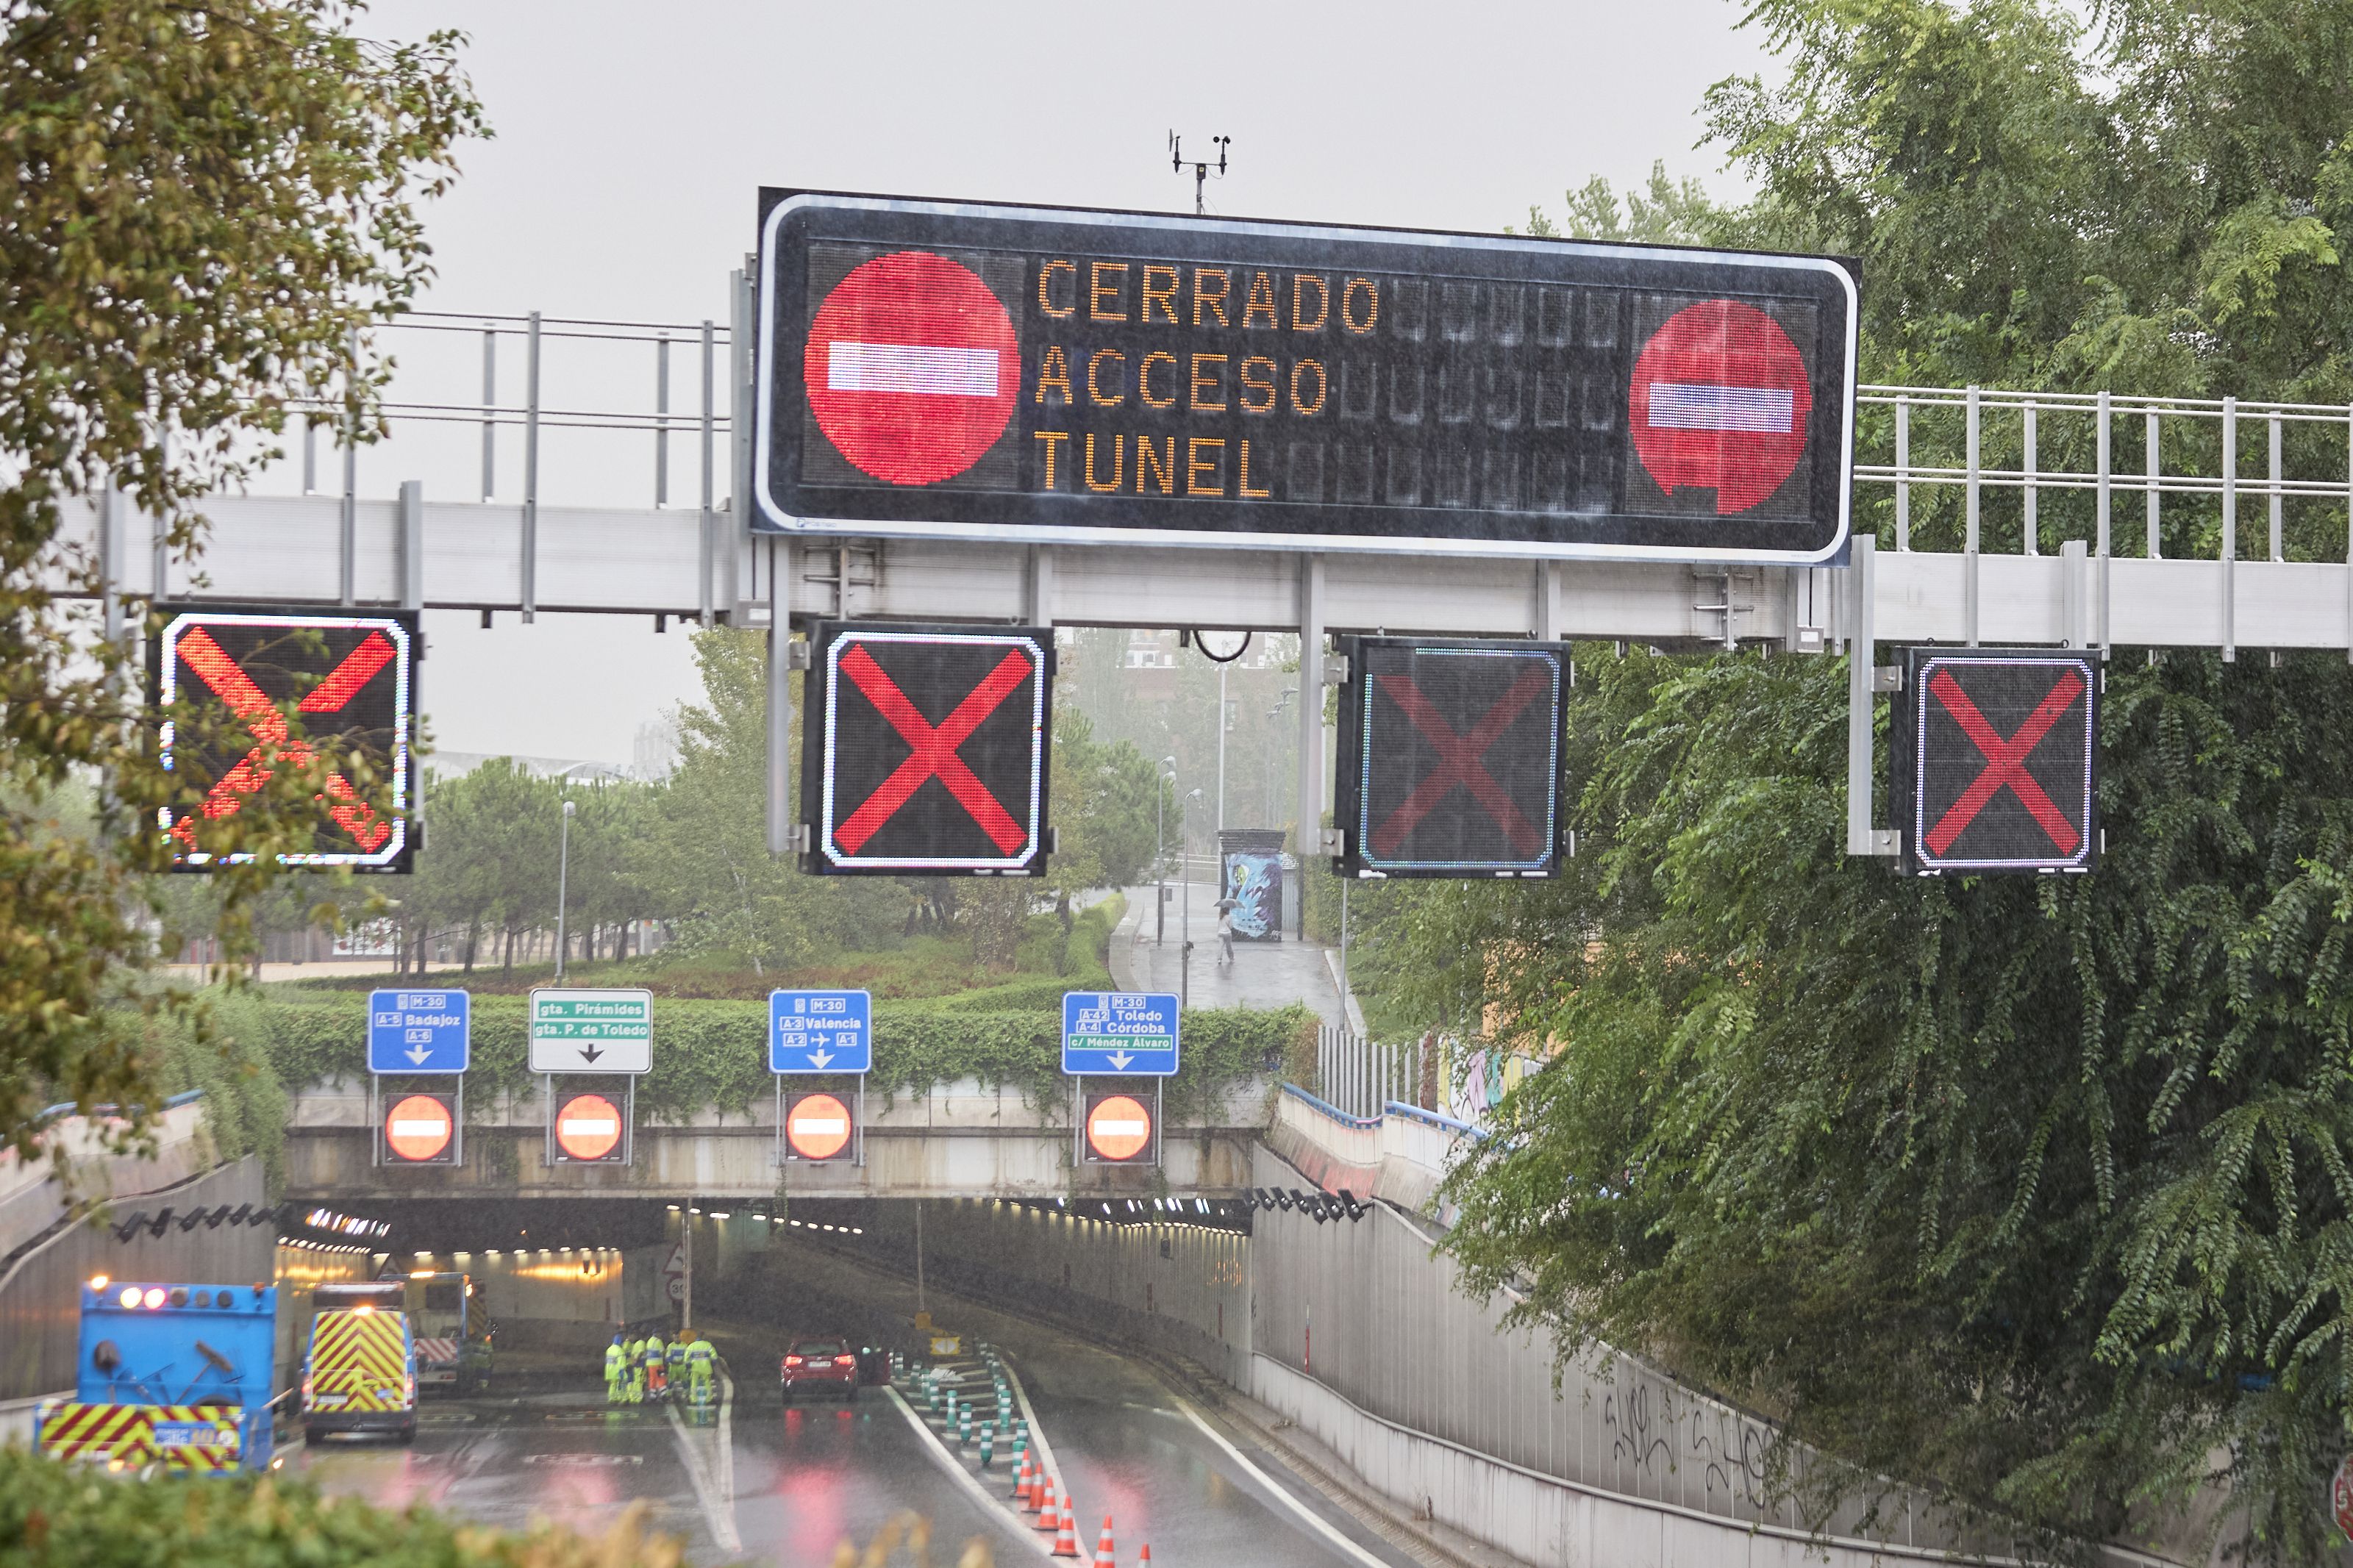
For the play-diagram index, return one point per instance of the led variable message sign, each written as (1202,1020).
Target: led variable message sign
(224,680)
(947,370)
(1996,757)
(1450,758)
(930,749)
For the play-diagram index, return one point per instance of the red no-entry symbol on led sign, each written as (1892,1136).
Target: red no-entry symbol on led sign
(351,682)
(1451,758)
(1996,760)
(1720,401)
(912,367)
(419,1128)
(931,758)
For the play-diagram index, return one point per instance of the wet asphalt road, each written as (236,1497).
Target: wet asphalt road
(807,1478)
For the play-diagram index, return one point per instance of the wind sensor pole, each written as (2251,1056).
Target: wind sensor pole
(1200,167)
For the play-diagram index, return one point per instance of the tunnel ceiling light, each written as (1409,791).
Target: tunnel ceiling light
(673,1208)
(721,1214)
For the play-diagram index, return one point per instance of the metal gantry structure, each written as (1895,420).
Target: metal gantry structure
(1926,449)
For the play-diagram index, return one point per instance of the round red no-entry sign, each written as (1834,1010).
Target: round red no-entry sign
(588,1127)
(1721,401)
(417,1127)
(1119,1128)
(912,367)
(818,1126)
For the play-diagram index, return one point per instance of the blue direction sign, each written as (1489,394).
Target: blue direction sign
(1116,1032)
(419,1031)
(820,1031)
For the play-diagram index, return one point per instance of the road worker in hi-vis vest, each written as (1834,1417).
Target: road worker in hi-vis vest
(701,1362)
(616,1371)
(633,1352)
(656,1369)
(674,1360)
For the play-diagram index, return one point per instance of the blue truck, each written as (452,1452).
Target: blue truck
(175,1377)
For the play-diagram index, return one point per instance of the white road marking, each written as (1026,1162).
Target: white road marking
(716,1493)
(1314,1520)
(995,1507)
(1045,1450)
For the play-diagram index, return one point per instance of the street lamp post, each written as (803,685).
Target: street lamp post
(1274,813)
(1184,948)
(563,878)
(1160,863)
(1222,727)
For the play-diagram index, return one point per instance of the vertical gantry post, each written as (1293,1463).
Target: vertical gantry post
(1309,833)
(1973,480)
(2104,496)
(2156,507)
(2033,532)
(661,421)
(310,453)
(490,413)
(412,544)
(1546,623)
(348,540)
(2071,593)
(1041,605)
(1862,659)
(780,696)
(710,475)
(531,476)
(1902,473)
(2279,544)
(2229,528)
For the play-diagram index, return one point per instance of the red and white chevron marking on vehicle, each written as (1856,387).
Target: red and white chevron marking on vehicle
(435,1350)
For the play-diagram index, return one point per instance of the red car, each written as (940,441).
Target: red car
(819,1366)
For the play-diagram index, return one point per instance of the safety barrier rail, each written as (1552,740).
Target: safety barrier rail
(1362,1124)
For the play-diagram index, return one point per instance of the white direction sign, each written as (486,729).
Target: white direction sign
(592,1031)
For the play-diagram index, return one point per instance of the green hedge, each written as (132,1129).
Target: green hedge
(714,1053)
(70,1514)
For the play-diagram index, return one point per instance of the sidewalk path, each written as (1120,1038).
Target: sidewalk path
(1264,974)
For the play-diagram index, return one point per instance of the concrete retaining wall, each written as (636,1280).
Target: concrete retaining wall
(1182,1287)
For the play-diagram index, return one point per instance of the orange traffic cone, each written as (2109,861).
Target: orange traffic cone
(1145,1560)
(1105,1557)
(1021,1484)
(1066,1539)
(1047,1518)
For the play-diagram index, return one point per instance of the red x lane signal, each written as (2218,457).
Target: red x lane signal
(1461,761)
(1450,761)
(931,758)
(350,678)
(1995,760)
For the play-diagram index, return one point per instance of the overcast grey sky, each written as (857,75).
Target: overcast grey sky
(632,140)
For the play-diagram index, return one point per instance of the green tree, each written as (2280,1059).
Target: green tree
(708,866)
(2034,1188)
(205,207)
